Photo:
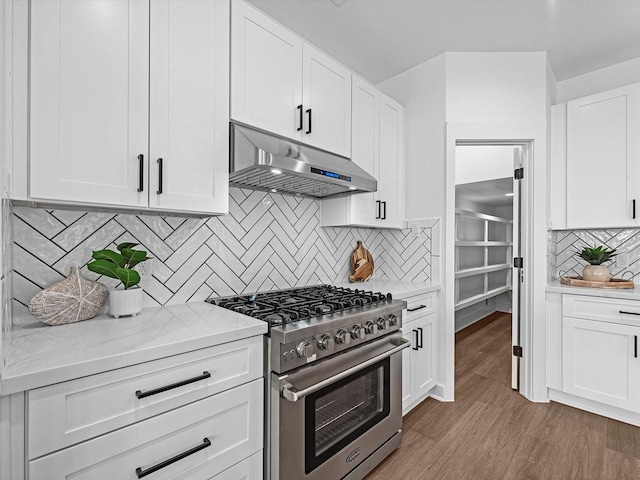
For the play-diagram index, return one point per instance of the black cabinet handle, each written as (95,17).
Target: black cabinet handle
(416,342)
(141,174)
(309,113)
(384,214)
(633,206)
(299,108)
(635,346)
(143,473)
(420,343)
(417,308)
(148,393)
(378,202)
(159,191)
(629,313)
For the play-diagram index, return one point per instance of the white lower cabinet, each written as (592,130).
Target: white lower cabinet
(197,415)
(418,362)
(593,354)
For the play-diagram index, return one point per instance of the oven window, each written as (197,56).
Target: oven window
(341,412)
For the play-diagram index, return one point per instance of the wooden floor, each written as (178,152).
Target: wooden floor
(491,432)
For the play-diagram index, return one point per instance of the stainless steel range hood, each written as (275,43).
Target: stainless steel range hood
(262,161)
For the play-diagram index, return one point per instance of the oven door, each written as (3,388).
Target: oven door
(334,414)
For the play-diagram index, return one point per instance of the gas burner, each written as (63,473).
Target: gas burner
(280,307)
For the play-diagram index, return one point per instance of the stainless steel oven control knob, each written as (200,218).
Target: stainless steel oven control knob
(304,349)
(383,323)
(343,337)
(356,332)
(393,320)
(370,327)
(325,342)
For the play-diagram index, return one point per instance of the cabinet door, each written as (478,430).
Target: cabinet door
(327,102)
(89,101)
(189,157)
(365,126)
(603,159)
(408,395)
(599,362)
(424,356)
(266,73)
(390,174)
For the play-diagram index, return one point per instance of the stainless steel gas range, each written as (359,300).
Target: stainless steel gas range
(334,379)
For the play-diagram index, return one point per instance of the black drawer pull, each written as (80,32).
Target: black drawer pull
(634,208)
(384,215)
(141,394)
(141,174)
(143,473)
(417,346)
(159,191)
(378,208)
(629,313)
(420,344)
(635,346)
(417,308)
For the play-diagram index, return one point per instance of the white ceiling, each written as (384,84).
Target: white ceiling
(381,38)
(490,192)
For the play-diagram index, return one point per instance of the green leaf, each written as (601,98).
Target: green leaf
(104,267)
(134,257)
(126,245)
(116,258)
(128,277)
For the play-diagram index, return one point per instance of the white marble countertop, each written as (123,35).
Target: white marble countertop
(397,288)
(41,355)
(623,293)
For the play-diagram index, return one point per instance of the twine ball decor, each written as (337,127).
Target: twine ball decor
(71,300)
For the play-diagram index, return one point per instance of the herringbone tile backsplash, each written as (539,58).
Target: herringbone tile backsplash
(563,245)
(268,241)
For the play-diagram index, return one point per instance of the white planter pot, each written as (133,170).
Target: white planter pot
(125,302)
(596,273)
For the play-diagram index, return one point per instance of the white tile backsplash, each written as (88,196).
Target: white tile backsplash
(268,241)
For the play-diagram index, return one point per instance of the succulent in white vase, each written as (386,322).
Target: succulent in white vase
(596,256)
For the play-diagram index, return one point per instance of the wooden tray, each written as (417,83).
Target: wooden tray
(613,283)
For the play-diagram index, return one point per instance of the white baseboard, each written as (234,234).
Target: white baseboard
(608,411)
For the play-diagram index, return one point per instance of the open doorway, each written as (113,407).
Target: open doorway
(487,262)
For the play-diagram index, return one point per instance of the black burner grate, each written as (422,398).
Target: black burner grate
(280,307)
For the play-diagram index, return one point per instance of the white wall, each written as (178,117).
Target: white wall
(422,92)
(494,87)
(477,163)
(599,81)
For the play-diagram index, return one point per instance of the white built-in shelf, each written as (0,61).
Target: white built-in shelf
(483,257)
(467,302)
(479,270)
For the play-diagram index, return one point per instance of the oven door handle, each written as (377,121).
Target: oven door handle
(292,394)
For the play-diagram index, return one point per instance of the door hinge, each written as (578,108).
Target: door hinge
(518,262)
(518,173)
(517,351)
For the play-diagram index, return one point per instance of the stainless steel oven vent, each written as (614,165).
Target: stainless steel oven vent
(262,161)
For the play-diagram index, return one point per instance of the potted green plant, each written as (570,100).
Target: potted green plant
(119,265)
(596,256)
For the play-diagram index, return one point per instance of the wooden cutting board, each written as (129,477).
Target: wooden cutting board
(361,264)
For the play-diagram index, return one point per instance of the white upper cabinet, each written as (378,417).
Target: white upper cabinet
(284,86)
(113,82)
(603,159)
(189,108)
(377,147)
(326,100)
(266,73)
(89,101)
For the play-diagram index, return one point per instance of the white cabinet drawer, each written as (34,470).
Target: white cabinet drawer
(248,469)
(231,421)
(602,309)
(80,409)
(419,306)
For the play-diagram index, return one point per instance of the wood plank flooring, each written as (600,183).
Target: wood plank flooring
(491,432)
